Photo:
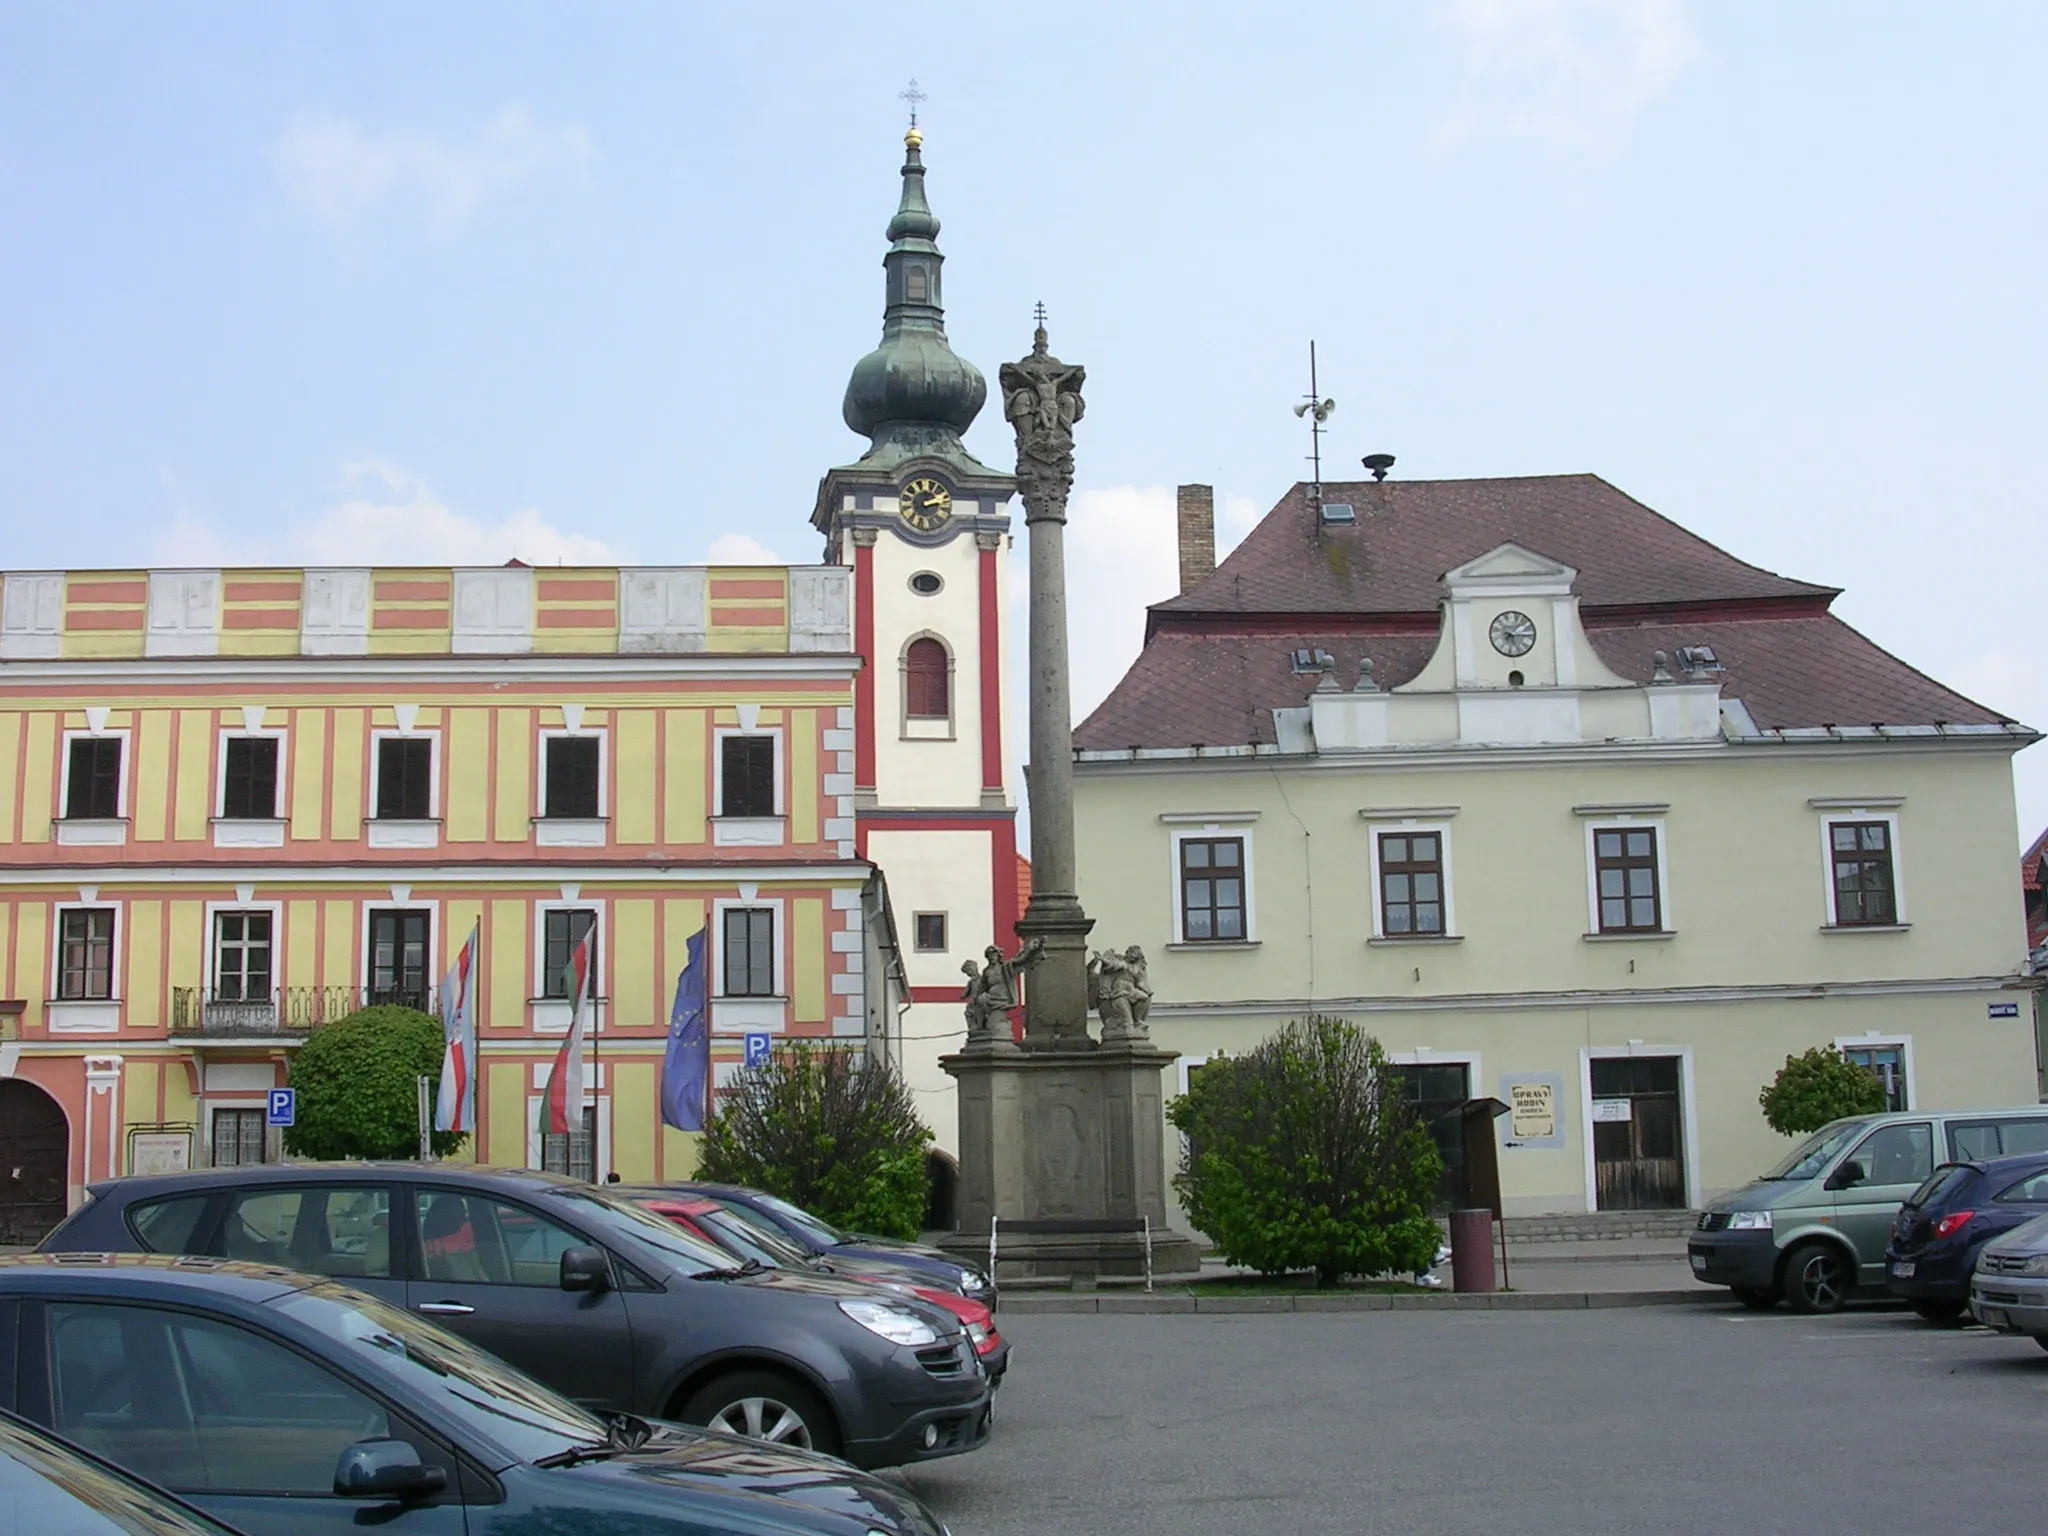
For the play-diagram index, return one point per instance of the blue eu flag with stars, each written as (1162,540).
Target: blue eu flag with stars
(686,1065)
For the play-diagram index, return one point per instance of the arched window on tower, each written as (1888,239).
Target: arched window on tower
(927,680)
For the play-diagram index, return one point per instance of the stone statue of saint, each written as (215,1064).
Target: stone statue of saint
(991,991)
(1120,993)
(1141,990)
(1042,401)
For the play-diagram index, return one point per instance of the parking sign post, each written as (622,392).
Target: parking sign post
(759,1049)
(283,1108)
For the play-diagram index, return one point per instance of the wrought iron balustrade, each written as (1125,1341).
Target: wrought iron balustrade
(285,1011)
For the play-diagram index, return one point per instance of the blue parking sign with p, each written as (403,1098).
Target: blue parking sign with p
(759,1047)
(284,1106)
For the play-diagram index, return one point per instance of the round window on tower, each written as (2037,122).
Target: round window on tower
(927,583)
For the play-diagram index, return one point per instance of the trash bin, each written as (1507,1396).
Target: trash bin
(1472,1251)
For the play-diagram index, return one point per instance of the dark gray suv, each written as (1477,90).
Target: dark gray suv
(609,1305)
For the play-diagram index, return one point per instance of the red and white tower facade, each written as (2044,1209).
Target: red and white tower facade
(926,528)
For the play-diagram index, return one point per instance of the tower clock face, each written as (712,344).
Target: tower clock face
(925,504)
(1512,633)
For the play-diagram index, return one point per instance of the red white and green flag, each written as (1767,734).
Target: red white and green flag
(561,1108)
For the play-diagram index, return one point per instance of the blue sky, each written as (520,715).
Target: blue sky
(458,281)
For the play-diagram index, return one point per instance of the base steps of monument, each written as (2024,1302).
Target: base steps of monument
(1594,1226)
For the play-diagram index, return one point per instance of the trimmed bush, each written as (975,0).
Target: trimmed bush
(1304,1155)
(358,1090)
(1820,1086)
(828,1130)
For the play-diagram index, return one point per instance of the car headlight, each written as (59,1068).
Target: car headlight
(1749,1221)
(2037,1265)
(892,1323)
(974,1283)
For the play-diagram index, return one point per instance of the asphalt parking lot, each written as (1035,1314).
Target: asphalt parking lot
(1667,1419)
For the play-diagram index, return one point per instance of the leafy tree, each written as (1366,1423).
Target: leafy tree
(358,1091)
(828,1130)
(1820,1086)
(1303,1155)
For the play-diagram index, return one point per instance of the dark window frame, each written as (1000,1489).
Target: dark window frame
(1409,907)
(85,955)
(93,788)
(754,975)
(245,774)
(929,932)
(1873,905)
(749,774)
(1627,863)
(239,990)
(578,795)
(557,946)
(244,1120)
(399,982)
(927,679)
(408,794)
(1189,880)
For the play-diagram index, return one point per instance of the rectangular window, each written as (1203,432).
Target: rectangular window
(931,930)
(1886,1063)
(1212,890)
(237,1137)
(574,1155)
(85,954)
(562,929)
(1411,883)
(1860,855)
(241,957)
(746,779)
(249,785)
(1625,866)
(398,958)
(405,778)
(572,775)
(749,952)
(93,790)
(342,1231)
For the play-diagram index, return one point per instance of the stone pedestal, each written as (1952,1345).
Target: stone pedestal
(1065,1148)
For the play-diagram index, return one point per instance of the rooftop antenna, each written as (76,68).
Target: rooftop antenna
(1318,410)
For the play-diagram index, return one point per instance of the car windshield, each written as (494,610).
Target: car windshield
(688,1252)
(812,1228)
(1942,1182)
(469,1387)
(1807,1159)
(750,1241)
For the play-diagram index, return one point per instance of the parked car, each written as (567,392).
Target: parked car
(820,1238)
(283,1403)
(1946,1222)
(2009,1290)
(49,1486)
(608,1304)
(744,1240)
(1813,1230)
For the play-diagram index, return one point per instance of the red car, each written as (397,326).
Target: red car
(745,1241)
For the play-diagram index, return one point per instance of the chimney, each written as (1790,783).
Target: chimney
(1194,509)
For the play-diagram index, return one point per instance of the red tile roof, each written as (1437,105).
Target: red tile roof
(1216,662)
(1023,883)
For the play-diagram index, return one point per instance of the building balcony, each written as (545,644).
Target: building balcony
(288,1012)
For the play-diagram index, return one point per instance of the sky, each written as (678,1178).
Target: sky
(450,283)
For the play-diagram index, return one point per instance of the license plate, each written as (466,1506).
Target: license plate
(1904,1271)
(1991,1317)
(1699,1263)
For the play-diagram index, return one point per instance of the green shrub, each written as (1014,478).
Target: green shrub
(1304,1155)
(357,1080)
(1820,1086)
(828,1130)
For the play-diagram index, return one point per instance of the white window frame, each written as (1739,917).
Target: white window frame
(1666,923)
(749,831)
(551,1015)
(1830,817)
(250,831)
(1237,825)
(945,920)
(433,962)
(1879,1039)
(94,831)
(1375,829)
(1688,1111)
(722,905)
(572,831)
(209,964)
(85,1015)
(923,728)
(404,832)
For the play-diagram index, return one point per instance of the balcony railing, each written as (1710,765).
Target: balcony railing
(286,1011)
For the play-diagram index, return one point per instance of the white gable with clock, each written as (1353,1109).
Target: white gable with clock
(1513,666)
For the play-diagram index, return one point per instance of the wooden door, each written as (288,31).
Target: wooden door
(35,1158)
(1638,1135)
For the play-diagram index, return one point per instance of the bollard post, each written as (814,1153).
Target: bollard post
(1472,1251)
(992,1249)
(1148,1254)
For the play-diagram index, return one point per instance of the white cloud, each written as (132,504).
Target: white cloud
(1570,72)
(338,173)
(2014,684)
(388,517)
(738,549)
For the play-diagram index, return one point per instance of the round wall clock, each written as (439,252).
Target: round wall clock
(925,504)
(1512,633)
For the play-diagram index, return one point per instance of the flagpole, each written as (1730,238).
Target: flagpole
(596,1068)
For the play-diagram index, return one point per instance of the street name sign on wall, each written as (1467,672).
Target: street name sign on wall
(2003,1010)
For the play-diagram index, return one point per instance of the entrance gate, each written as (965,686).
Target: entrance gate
(1638,1140)
(35,1158)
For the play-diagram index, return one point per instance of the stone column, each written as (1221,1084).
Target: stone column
(1042,399)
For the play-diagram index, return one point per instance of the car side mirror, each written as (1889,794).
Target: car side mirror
(385,1469)
(585,1269)
(1847,1176)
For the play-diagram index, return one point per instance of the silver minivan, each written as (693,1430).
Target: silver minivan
(1813,1230)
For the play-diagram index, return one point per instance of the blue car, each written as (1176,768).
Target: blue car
(821,1239)
(47,1485)
(1946,1222)
(287,1405)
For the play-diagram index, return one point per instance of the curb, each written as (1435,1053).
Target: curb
(1310,1301)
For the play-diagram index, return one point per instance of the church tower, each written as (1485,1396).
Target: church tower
(925,527)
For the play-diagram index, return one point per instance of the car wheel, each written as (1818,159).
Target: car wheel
(1756,1301)
(1933,1311)
(1817,1278)
(762,1405)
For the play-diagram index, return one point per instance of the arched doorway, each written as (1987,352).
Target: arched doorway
(35,1158)
(942,1185)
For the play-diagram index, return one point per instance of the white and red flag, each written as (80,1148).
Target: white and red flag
(455,1104)
(561,1108)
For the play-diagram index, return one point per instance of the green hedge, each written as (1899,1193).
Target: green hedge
(357,1081)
